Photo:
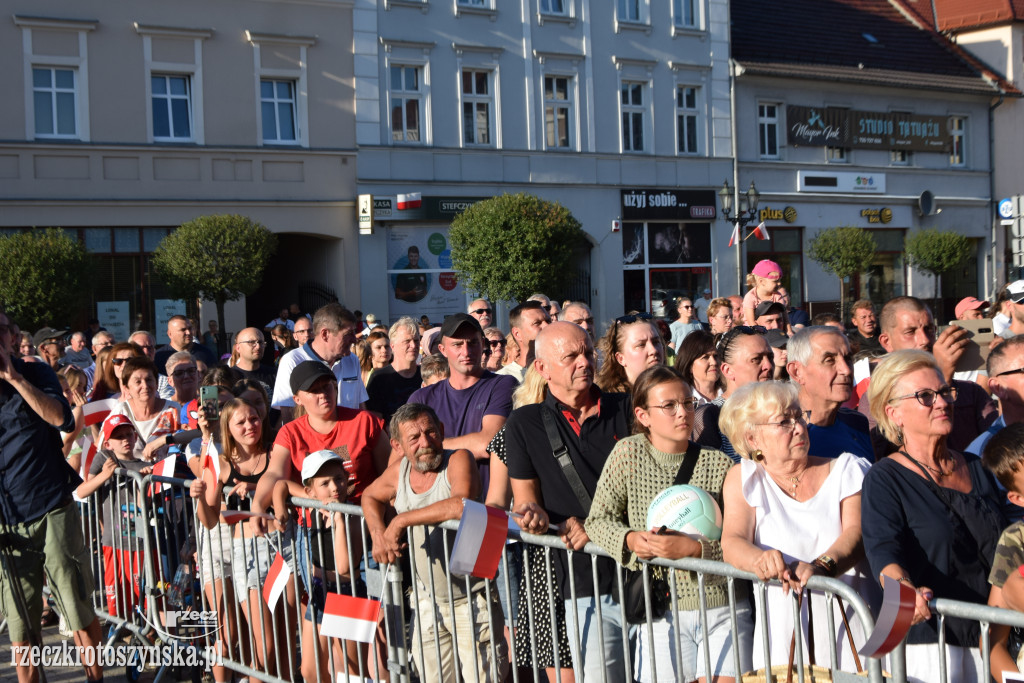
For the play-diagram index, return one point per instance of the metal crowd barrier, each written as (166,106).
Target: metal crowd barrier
(416,632)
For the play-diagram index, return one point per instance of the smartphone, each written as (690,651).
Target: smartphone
(208,399)
(975,354)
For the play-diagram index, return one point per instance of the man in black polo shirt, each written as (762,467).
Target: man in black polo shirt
(588,423)
(39,522)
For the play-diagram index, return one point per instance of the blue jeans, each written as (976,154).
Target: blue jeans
(593,640)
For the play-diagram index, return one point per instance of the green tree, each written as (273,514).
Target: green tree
(511,246)
(936,252)
(843,251)
(45,277)
(218,258)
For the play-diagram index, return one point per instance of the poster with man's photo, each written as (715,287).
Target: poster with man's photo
(678,243)
(420,274)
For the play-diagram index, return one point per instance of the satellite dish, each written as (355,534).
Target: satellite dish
(926,203)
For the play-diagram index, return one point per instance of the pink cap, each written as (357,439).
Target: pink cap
(112,423)
(767,268)
(969,304)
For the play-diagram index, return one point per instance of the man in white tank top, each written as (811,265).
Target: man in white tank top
(428,485)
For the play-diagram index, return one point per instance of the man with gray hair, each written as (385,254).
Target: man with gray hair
(820,363)
(392,385)
(482,310)
(578,313)
(76,354)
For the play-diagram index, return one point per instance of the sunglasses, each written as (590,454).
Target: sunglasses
(482,311)
(118,361)
(727,338)
(632,318)
(498,342)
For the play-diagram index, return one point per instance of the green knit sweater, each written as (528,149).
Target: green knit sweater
(634,474)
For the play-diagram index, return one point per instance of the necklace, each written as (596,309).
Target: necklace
(793,483)
(938,471)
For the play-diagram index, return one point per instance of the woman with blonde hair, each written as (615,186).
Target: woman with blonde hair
(631,345)
(932,515)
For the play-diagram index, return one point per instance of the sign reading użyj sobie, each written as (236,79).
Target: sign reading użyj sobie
(831,127)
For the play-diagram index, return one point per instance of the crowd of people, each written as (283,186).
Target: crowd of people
(852,449)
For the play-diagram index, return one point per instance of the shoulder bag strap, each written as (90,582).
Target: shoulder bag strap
(562,456)
(689,464)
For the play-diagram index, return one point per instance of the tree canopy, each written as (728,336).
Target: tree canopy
(45,278)
(843,251)
(218,258)
(936,252)
(511,246)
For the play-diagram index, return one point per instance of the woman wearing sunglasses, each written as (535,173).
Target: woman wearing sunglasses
(631,345)
(931,515)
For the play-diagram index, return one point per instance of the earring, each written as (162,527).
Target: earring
(899,435)
(757,455)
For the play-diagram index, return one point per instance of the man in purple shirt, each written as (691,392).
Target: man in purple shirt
(472,403)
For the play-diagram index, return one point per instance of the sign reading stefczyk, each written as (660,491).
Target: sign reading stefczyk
(832,127)
(430,209)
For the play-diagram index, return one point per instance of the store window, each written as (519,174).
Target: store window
(663,261)
(785,248)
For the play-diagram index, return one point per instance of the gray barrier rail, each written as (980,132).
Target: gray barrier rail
(432,623)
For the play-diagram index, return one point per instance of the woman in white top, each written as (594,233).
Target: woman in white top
(789,515)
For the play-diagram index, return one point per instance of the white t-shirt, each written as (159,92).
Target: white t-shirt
(700,309)
(351,391)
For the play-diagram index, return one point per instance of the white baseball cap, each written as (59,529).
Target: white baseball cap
(315,461)
(1015,290)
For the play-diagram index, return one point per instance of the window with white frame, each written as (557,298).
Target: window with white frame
(685,13)
(473,3)
(172,106)
(836,155)
(768,130)
(633,11)
(634,111)
(558,111)
(405,83)
(958,140)
(899,157)
(687,120)
(553,6)
(277,108)
(55,101)
(477,107)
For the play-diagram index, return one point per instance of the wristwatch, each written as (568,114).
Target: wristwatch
(827,564)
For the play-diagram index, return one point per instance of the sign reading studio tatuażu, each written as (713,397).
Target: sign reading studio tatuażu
(831,127)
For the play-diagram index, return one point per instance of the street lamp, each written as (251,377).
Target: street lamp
(746,213)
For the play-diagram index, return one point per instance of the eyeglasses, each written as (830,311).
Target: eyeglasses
(185,372)
(632,318)
(298,332)
(789,423)
(1010,372)
(498,342)
(482,311)
(672,407)
(252,342)
(926,397)
(736,331)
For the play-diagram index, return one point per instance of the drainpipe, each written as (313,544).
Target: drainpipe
(993,199)
(740,280)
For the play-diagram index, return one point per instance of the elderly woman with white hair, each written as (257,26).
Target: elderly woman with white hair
(932,515)
(790,515)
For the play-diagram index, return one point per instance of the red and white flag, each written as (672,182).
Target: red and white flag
(88,453)
(350,618)
(734,237)
(761,232)
(212,462)
(413,200)
(898,603)
(481,537)
(163,468)
(277,581)
(96,412)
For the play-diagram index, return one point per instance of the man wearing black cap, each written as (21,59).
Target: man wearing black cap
(768,315)
(472,403)
(47,343)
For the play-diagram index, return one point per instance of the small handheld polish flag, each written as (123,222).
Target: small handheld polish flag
(97,411)
(481,537)
(761,232)
(277,581)
(163,468)
(734,236)
(898,603)
(349,618)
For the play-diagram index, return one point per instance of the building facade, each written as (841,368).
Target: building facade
(123,120)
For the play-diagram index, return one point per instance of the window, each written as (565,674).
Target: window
(557,111)
(835,155)
(633,111)
(899,157)
(406,103)
(54,97)
(632,11)
(957,134)
(473,3)
(477,103)
(768,130)
(686,120)
(684,13)
(552,6)
(172,107)
(277,105)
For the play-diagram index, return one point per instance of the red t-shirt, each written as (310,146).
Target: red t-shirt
(356,429)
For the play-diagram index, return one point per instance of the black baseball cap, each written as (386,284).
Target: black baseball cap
(777,339)
(453,323)
(768,307)
(46,334)
(307,373)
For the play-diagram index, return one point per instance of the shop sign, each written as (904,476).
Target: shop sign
(787,214)
(883,215)
(832,127)
(430,208)
(664,204)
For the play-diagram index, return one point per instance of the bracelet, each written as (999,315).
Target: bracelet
(906,579)
(1020,570)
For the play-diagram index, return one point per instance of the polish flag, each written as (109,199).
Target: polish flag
(761,232)
(479,541)
(96,412)
(163,468)
(350,618)
(277,581)
(898,603)
(212,462)
(88,453)
(413,200)
(734,237)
